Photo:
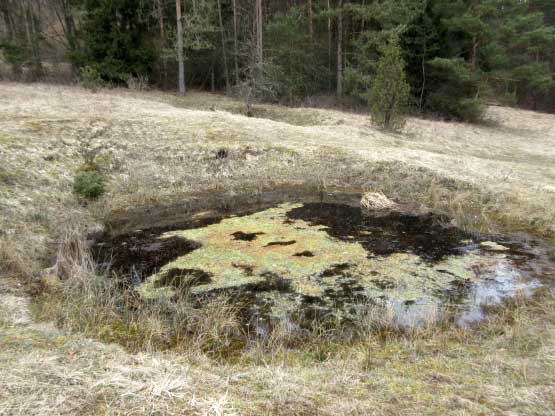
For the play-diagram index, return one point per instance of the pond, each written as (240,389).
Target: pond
(301,261)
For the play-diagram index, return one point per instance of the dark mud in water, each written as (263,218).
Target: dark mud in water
(240,235)
(140,254)
(132,246)
(428,236)
(184,278)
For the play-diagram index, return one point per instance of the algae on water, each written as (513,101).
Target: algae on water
(268,250)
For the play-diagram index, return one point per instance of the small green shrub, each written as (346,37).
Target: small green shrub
(89,184)
(90,79)
(471,109)
(390,90)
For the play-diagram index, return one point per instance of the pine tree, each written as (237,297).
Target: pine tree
(422,42)
(390,90)
(116,39)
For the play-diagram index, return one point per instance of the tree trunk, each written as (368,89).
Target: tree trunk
(161,24)
(340,50)
(329,45)
(62,9)
(180,58)
(310,22)
(226,74)
(421,102)
(160,8)
(259,44)
(32,39)
(236,64)
(363,20)
(474,61)
(70,25)
(35,28)
(7,10)
(423,62)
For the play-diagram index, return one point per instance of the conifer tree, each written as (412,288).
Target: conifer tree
(390,90)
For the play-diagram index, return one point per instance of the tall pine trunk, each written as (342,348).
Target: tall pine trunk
(180,58)
(161,25)
(340,50)
(310,22)
(226,74)
(32,39)
(235,52)
(474,59)
(329,45)
(259,28)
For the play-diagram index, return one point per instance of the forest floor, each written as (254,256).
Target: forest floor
(159,149)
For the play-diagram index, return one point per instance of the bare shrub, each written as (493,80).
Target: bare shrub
(137,83)
(73,258)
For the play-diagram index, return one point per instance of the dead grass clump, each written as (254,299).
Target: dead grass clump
(214,328)
(109,308)
(73,258)
(6,177)
(16,260)
(383,322)
(376,201)
(516,323)
(319,341)
(103,308)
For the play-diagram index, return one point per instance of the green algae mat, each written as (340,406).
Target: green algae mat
(318,259)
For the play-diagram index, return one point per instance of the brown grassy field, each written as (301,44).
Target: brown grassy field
(158,149)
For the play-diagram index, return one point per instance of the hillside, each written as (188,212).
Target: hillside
(159,150)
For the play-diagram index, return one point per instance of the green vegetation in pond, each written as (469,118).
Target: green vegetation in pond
(256,251)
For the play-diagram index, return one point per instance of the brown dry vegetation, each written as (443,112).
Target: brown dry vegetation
(159,149)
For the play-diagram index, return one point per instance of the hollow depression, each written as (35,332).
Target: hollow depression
(306,260)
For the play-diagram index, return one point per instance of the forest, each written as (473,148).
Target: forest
(447,57)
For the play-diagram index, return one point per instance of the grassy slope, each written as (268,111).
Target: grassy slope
(159,148)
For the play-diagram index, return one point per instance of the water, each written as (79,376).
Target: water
(300,261)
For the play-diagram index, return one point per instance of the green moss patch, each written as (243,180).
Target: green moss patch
(261,253)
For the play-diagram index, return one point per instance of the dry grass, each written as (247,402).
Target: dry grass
(160,149)
(505,366)
(105,308)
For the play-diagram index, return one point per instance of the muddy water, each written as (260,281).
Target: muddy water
(299,261)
